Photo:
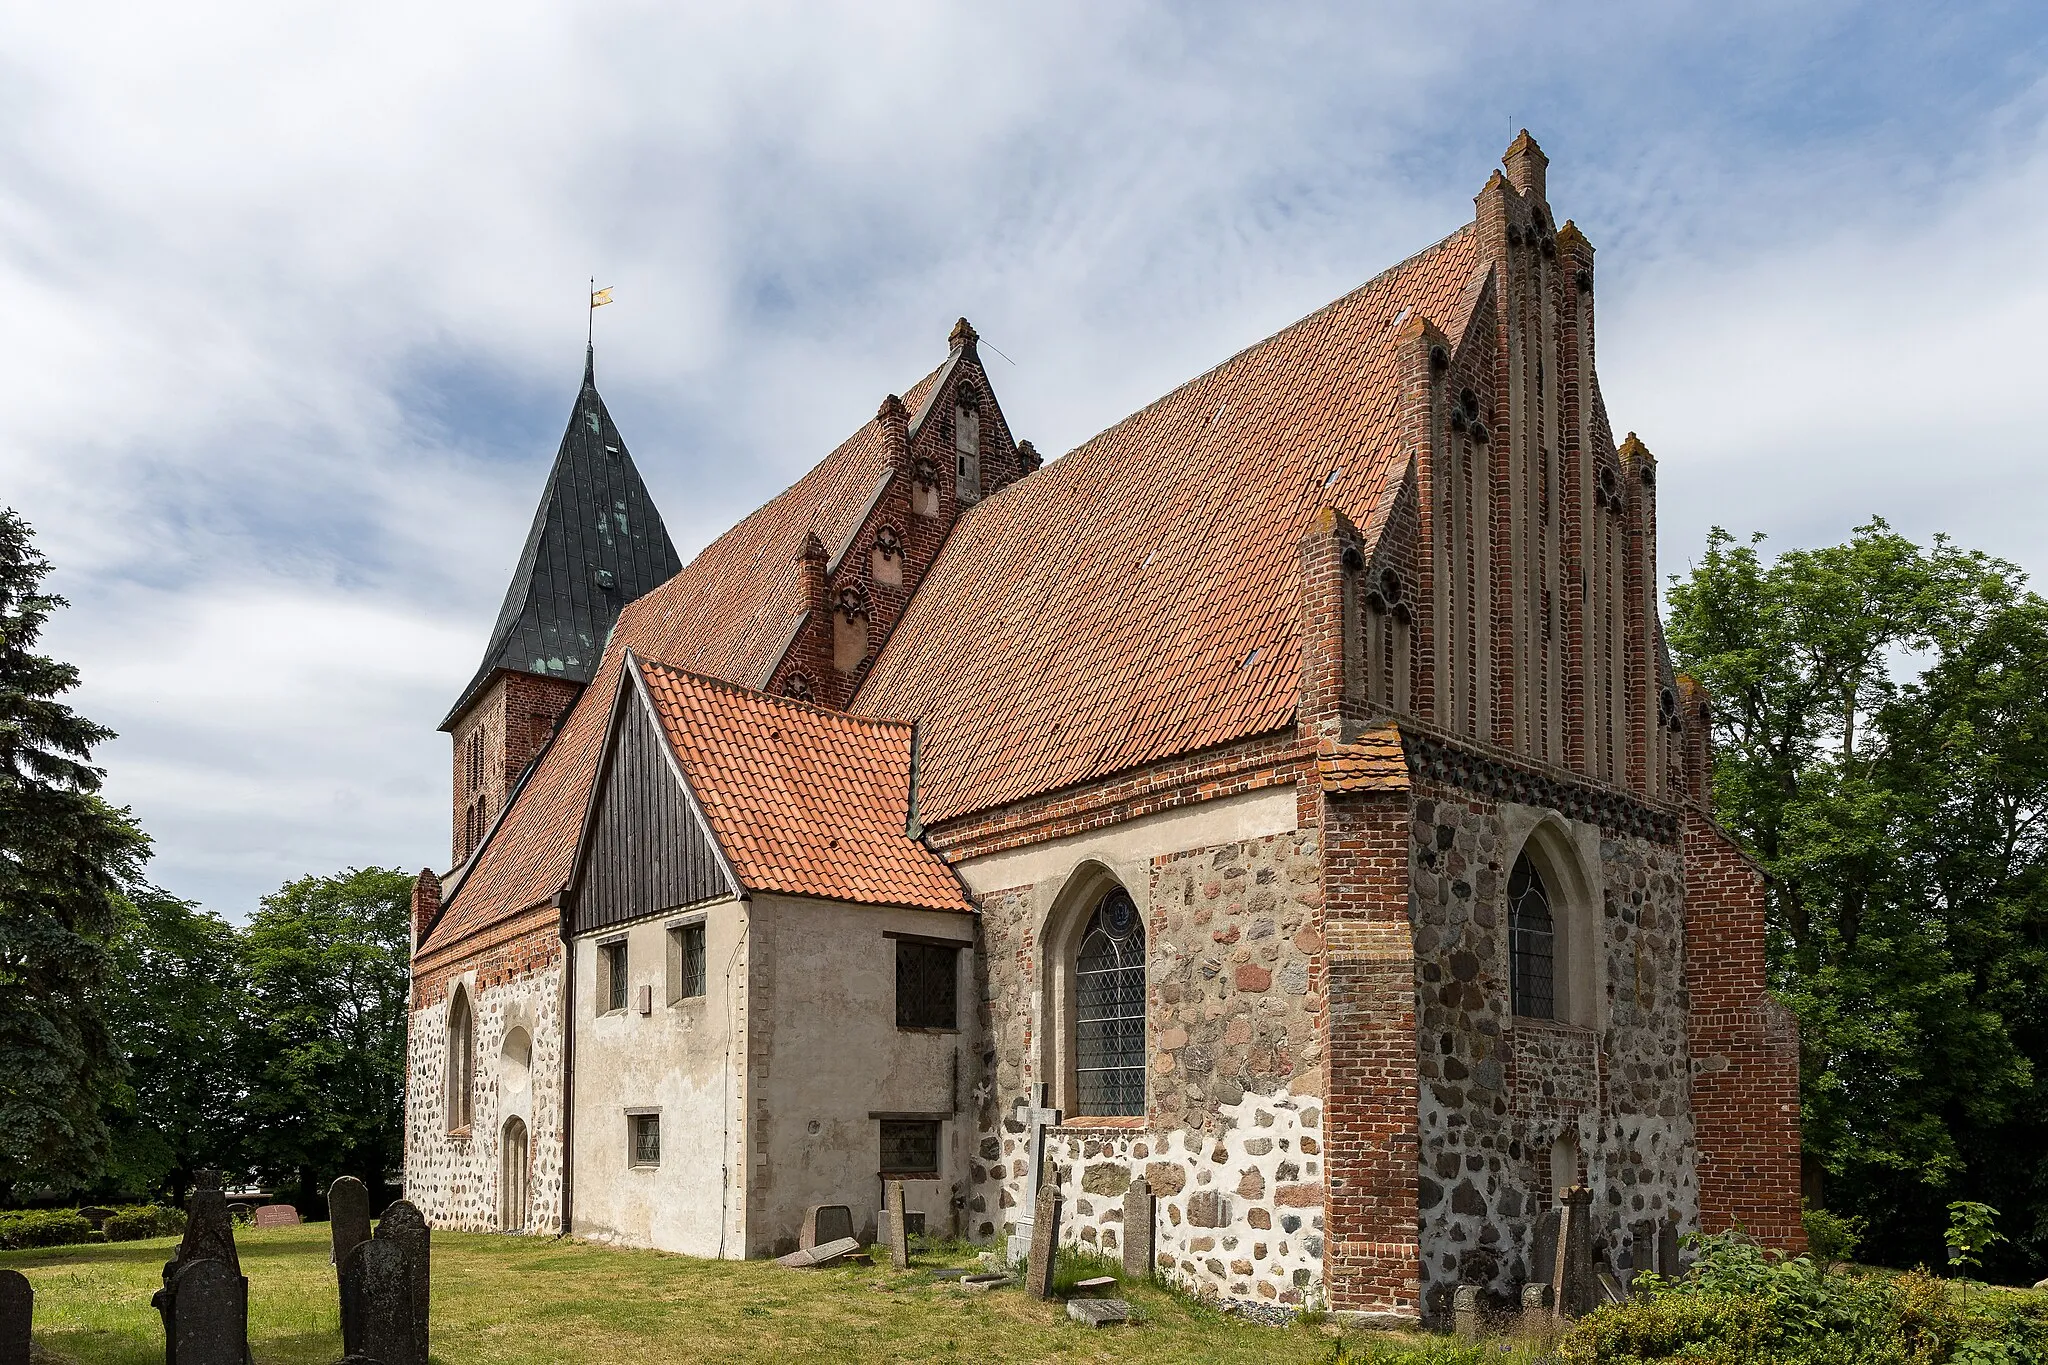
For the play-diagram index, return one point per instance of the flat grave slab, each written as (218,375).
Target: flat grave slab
(1099,1312)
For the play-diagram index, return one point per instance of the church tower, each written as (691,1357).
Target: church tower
(596,544)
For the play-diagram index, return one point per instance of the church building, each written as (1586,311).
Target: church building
(1289,786)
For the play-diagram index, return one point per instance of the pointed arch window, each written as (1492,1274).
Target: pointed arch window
(461,1061)
(1532,942)
(1109,980)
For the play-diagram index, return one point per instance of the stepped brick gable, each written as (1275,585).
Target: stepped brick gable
(1284,798)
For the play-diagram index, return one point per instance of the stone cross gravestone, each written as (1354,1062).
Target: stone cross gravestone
(211,1324)
(1574,1290)
(1139,1216)
(1045,1241)
(1037,1118)
(824,1223)
(17,1315)
(899,1231)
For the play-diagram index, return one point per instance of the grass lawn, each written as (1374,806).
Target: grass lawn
(520,1299)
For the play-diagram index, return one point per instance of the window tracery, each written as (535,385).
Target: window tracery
(1109,1015)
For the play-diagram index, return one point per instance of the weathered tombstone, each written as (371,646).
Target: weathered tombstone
(17,1315)
(824,1223)
(1045,1241)
(391,1333)
(1667,1248)
(212,1317)
(1139,1215)
(1574,1291)
(1099,1312)
(1543,1246)
(899,1231)
(824,1254)
(277,1216)
(209,1240)
(348,1227)
(403,1225)
(1037,1118)
(1465,1312)
(349,1274)
(1536,1298)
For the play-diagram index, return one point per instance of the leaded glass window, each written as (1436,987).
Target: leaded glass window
(1109,982)
(1532,935)
(643,1132)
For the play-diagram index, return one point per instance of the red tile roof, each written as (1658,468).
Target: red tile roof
(803,800)
(728,614)
(1375,762)
(1137,598)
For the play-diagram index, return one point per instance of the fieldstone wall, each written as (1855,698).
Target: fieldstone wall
(452,1178)
(1232,1140)
(1498,1092)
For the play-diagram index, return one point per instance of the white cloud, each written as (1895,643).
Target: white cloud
(292,298)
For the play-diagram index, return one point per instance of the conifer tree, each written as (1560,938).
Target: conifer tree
(65,858)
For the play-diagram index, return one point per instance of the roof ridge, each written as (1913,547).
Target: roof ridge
(793,703)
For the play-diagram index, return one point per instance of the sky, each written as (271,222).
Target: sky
(292,297)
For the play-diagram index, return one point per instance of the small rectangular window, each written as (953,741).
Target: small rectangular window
(927,985)
(611,976)
(910,1147)
(643,1132)
(685,961)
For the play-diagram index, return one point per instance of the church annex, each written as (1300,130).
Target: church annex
(1289,786)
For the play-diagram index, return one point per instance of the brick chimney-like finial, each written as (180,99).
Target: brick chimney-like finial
(1526,166)
(426,904)
(963,336)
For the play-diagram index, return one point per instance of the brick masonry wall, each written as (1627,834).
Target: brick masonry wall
(515,982)
(1745,1048)
(1497,1092)
(1232,1140)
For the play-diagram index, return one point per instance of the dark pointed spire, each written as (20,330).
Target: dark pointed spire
(596,543)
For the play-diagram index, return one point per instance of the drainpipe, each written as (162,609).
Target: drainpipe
(568,1069)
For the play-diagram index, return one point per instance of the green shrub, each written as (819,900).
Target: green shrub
(42,1228)
(137,1221)
(1830,1237)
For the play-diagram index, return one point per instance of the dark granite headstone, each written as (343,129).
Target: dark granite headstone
(1139,1215)
(824,1223)
(898,1230)
(348,1227)
(209,1238)
(211,1324)
(350,1276)
(209,1231)
(1667,1249)
(1543,1246)
(403,1225)
(390,1332)
(1045,1241)
(1574,1291)
(17,1315)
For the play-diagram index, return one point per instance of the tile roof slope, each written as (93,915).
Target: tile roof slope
(727,615)
(1137,598)
(804,800)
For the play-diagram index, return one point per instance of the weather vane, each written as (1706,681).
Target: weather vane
(598,299)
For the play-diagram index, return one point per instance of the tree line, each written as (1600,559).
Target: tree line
(141,1037)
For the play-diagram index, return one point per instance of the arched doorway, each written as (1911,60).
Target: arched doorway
(515,1163)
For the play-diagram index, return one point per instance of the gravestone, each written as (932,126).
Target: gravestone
(824,1254)
(1139,1215)
(17,1315)
(1667,1249)
(1536,1298)
(1465,1312)
(1037,1118)
(216,1315)
(824,1223)
(348,1227)
(212,1315)
(403,1226)
(898,1231)
(1099,1312)
(1543,1246)
(1574,1291)
(391,1334)
(1045,1241)
(277,1216)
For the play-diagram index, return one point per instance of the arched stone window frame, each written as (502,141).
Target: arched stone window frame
(1567,857)
(459,1059)
(515,1174)
(1073,909)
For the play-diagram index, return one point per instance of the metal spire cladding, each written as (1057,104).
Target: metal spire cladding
(596,544)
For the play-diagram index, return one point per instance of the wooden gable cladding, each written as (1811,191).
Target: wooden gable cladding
(945,433)
(645,847)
